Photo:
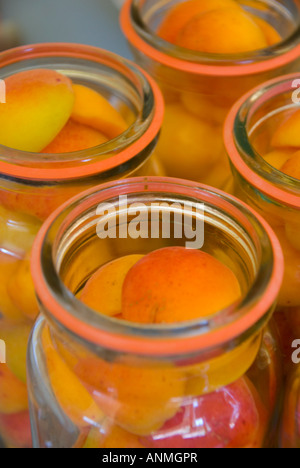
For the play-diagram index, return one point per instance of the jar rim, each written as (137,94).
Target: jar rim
(59,306)
(278,186)
(78,171)
(281,58)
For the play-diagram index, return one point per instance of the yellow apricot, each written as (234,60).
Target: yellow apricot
(222,31)
(13,392)
(181,14)
(21,290)
(103,291)
(292,166)
(94,110)
(75,137)
(155,293)
(17,231)
(140,397)
(292,231)
(38,105)
(16,339)
(271,35)
(8,267)
(222,371)
(287,134)
(71,395)
(290,291)
(277,158)
(111,437)
(188,147)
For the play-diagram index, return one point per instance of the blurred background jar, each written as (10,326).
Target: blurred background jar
(99,382)
(290,430)
(33,185)
(199,88)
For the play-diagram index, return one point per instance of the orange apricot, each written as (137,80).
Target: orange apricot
(139,396)
(38,105)
(103,292)
(196,144)
(71,395)
(95,111)
(75,137)
(182,13)
(176,284)
(13,392)
(271,35)
(21,290)
(222,31)
(8,267)
(277,158)
(292,166)
(205,107)
(287,134)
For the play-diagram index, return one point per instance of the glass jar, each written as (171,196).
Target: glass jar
(249,129)
(97,381)
(199,89)
(33,185)
(290,431)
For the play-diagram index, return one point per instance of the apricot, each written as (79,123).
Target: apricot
(95,111)
(112,437)
(103,292)
(15,429)
(222,31)
(209,376)
(21,290)
(8,267)
(232,417)
(13,392)
(195,144)
(75,137)
(277,158)
(271,35)
(289,294)
(292,166)
(38,105)
(71,395)
(17,231)
(287,134)
(16,338)
(140,397)
(176,284)
(205,107)
(182,13)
